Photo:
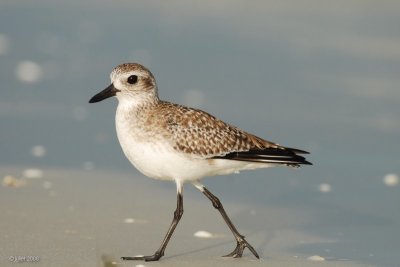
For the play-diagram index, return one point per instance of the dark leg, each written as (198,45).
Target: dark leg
(177,216)
(241,242)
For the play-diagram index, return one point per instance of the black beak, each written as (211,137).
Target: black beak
(106,93)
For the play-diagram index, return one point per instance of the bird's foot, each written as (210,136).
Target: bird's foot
(155,257)
(238,251)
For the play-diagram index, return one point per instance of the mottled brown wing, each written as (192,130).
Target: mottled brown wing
(199,133)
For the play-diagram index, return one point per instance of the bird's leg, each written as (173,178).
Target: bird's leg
(177,216)
(241,243)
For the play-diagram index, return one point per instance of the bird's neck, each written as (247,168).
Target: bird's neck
(129,104)
(134,111)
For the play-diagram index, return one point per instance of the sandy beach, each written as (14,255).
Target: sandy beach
(91,218)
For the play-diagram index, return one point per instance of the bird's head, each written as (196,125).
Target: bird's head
(131,83)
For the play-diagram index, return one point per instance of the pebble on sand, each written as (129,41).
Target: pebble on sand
(325,188)
(28,72)
(11,181)
(391,179)
(316,258)
(203,234)
(129,220)
(32,173)
(38,151)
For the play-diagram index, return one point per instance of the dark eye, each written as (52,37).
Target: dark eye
(132,79)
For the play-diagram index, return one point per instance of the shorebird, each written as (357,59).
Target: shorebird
(172,142)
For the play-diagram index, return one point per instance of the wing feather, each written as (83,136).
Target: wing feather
(202,135)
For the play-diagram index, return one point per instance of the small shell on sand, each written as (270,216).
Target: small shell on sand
(316,258)
(325,188)
(129,220)
(11,181)
(32,173)
(391,179)
(203,234)
(38,151)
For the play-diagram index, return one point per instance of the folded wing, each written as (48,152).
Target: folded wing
(200,134)
(281,155)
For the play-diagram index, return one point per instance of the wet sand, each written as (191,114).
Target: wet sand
(91,218)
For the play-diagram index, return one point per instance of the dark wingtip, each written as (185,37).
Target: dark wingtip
(281,155)
(92,100)
(297,151)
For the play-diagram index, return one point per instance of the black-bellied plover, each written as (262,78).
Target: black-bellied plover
(168,141)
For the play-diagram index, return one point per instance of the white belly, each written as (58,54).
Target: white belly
(155,160)
(158,161)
